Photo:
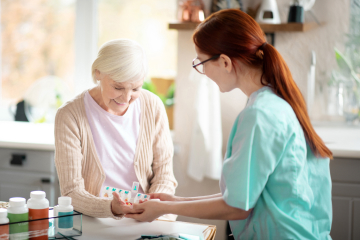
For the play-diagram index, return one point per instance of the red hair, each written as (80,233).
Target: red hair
(237,35)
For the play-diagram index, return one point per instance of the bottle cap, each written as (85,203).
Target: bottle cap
(17,202)
(38,194)
(3,213)
(64,201)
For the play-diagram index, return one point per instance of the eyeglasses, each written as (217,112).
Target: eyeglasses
(199,66)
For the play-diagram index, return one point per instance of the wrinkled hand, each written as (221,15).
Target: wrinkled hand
(164,197)
(149,211)
(118,206)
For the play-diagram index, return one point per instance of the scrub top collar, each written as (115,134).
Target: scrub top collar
(256,93)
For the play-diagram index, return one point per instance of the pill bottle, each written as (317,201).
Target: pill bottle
(18,212)
(38,207)
(64,224)
(4,229)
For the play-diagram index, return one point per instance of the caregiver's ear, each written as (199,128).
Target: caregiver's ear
(226,63)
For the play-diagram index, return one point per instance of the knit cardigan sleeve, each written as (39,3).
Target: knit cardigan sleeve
(68,161)
(163,150)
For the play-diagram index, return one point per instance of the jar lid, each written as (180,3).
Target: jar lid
(17,202)
(3,213)
(64,201)
(38,194)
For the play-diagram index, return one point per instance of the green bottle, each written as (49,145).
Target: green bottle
(18,212)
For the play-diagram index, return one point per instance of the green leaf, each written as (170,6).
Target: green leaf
(343,62)
(148,85)
(171,91)
(167,100)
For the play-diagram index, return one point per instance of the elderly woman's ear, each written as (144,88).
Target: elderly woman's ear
(98,75)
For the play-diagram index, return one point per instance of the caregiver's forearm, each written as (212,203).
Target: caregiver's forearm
(214,208)
(199,198)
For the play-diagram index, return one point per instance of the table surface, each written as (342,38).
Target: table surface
(342,140)
(129,229)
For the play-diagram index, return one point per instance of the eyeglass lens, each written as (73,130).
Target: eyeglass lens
(199,68)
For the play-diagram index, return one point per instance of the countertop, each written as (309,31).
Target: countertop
(342,140)
(25,135)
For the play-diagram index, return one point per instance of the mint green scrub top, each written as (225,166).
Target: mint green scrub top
(270,168)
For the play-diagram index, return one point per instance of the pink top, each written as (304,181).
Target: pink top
(115,139)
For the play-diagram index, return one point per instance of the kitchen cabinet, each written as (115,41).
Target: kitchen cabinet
(345,174)
(36,172)
(344,142)
(27,160)
(356,222)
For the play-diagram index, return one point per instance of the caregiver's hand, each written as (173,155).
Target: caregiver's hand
(164,197)
(150,210)
(119,207)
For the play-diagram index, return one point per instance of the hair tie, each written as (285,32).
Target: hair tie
(262,46)
(260,52)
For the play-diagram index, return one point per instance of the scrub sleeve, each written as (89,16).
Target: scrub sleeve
(251,157)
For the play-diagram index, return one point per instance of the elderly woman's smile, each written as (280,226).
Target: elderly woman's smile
(121,104)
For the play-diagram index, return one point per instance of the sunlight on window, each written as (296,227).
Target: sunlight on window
(37,40)
(145,21)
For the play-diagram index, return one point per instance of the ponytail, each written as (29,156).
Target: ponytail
(237,35)
(278,76)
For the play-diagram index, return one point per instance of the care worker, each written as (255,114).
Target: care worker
(275,180)
(114,134)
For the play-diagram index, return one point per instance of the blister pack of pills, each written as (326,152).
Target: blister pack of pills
(128,196)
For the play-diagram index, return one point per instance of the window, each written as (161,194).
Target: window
(145,21)
(37,40)
(344,86)
(61,38)
(353,43)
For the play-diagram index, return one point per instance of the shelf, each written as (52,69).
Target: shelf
(288,27)
(183,25)
(267,28)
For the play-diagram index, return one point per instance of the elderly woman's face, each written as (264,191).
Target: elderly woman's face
(117,96)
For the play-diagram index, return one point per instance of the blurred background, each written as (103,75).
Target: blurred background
(48,46)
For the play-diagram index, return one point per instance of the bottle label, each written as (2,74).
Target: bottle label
(4,231)
(65,222)
(20,227)
(38,229)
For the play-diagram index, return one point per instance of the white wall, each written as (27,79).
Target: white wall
(296,50)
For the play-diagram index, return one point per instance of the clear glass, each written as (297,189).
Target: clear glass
(199,68)
(350,102)
(145,21)
(344,100)
(37,40)
(50,227)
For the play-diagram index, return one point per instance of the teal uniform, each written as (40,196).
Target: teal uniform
(270,168)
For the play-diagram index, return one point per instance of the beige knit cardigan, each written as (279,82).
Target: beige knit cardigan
(79,168)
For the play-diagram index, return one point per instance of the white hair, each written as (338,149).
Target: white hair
(122,59)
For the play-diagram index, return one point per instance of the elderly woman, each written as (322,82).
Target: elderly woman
(113,134)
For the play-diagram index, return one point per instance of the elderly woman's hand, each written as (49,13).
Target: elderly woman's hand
(164,197)
(147,211)
(118,206)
